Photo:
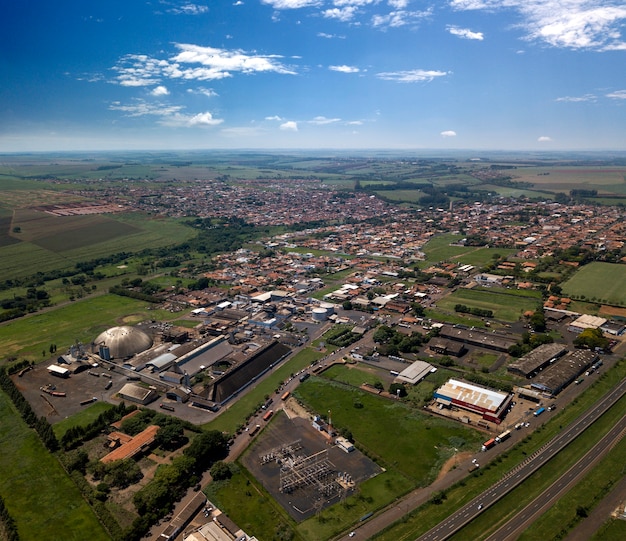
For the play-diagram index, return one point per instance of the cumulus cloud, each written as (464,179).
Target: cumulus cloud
(344,69)
(194,62)
(191,121)
(275,117)
(544,139)
(412,76)
(398,4)
(329,36)
(465,33)
(617,95)
(448,133)
(290,125)
(577,99)
(344,14)
(160,91)
(571,24)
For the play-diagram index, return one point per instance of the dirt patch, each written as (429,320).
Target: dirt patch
(452,462)
(294,409)
(613,311)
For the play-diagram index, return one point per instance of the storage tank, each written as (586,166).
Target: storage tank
(319,314)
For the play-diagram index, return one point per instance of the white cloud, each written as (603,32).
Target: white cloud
(160,91)
(194,62)
(290,4)
(329,36)
(544,139)
(208,92)
(617,95)
(275,117)
(344,14)
(169,115)
(398,4)
(465,33)
(412,76)
(577,99)
(189,9)
(191,121)
(344,69)
(290,125)
(570,24)
(238,3)
(448,133)
(142,108)
(322,120)
(399,18)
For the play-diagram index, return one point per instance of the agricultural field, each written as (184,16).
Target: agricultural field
(61,242)
(598,282)
(506,305)
(605,179)
(31,480)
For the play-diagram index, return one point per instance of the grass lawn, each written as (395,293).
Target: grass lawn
(601,282)
(82,320)
(376,424)
(36,490)
(82,418)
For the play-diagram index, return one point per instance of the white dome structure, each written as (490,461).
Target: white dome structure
(124,342)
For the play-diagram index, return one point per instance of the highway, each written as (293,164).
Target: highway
(520,473)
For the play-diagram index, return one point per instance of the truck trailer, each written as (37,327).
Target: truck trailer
(539,412)
(506,434)
(489,444)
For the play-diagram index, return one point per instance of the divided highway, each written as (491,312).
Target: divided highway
(515,477)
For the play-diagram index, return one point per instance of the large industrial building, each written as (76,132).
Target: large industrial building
(557,376)
(537,360)
(492,405)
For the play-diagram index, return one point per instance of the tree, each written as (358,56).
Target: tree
(207,447)
(221,471)
(397,389)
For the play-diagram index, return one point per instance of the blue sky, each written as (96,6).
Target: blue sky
(318,74)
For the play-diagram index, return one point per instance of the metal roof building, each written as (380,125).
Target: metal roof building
(537,359)
(554,378)
(491,404)
(415,373)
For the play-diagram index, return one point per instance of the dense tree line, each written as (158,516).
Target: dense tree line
(394,342)
(8,528)
(41,424)
(139,295)
(480,312)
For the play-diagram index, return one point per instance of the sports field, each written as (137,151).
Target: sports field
(598,282)
(506,305)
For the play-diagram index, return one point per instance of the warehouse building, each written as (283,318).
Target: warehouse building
(537,360)
(492,405)
(137,393)
(475,337)
(415,373)
(558,376)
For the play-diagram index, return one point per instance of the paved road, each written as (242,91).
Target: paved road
(515,477)
(524,518)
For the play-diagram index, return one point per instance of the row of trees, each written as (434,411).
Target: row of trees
(41,424)
(480,312)
(8,528)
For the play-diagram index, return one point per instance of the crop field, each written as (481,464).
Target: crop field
(60,242)
(412,196)
(506,305)
(601,282)
(393,432)
(442,248)
(507,191)
(33,484)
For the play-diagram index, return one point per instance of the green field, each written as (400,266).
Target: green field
(36,490)
(81,321)
(60,242)
(442,248)
(390,431)
(598,282)
(506,304)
